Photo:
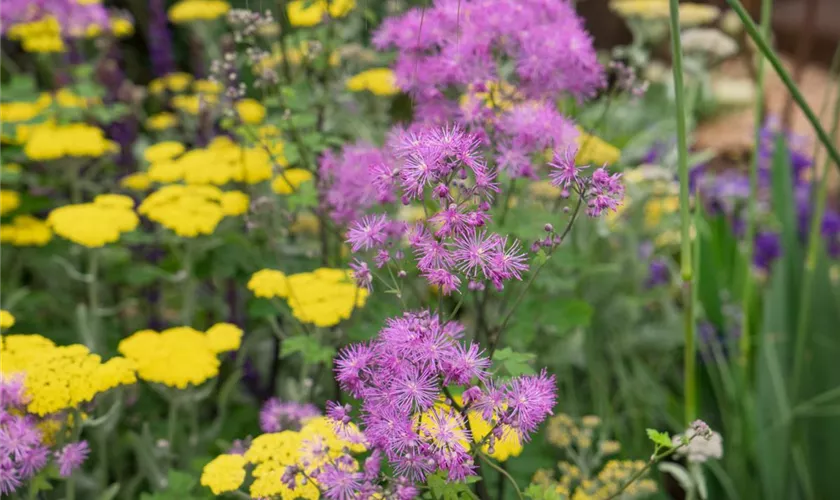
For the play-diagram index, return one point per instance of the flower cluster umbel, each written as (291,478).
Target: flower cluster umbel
(402,379)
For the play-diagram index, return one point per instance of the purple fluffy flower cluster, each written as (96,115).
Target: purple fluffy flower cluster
(276,415)
(23,452)
(399,378)
(601,190)
(75,18)
(349,189)
(461,43)
(444,170)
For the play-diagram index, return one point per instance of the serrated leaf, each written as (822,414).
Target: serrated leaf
(514,363)
(660,438)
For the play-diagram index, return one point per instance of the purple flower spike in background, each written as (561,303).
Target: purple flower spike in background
(159,39)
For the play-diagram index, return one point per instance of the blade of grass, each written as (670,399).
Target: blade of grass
(745,341)
(764,48)
(686,269)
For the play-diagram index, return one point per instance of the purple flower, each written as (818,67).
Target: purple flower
(350,365)
(340,484)
(9,479)
(474,251)
(368,233)
(605,192)
(564,172)
(530,399)
(442,278)
(35,459)
(466,364)
(417,389)
(18,436)
(276,415)
(362,274)
(658,273)
(354,180)
(71,457)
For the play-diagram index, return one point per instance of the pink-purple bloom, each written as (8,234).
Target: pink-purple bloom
(276,415)
(71,457)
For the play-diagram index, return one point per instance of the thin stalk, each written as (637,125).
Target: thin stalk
(172,425)
(764,47)
(190,285)
(504,473)
(92,283)
(814,244)
(752,204)
(686,271)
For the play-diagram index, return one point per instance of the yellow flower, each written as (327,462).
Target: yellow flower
(289,180)
(544,189)
(224,337)
(178,82)
(197,10)
(305,223)
(161,121)
(189,211)
(179,356)
(221,162)
(691,14)
(94,224)
(311,12)
(25,231)
(235,202)
(268,283)
(7,320)
(207,87)
(65,98)
(224,473)
(163,151)
(49,141)
(193,103)
(250,111)
(59,378)
(139,181)
(121,27)
(655,208)
(9,201)
(379,81)
(503,449)
(19,111)
(323,297)
(595,151)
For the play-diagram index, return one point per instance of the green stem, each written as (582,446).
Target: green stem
(93,297)
(686,269)
(752,207)
(814,244)
(764,47)
(172,427)
(502,472)
(190,286)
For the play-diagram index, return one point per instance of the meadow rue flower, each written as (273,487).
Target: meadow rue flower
(162,151)
(95,224)
(186,11)
(354,180)
(7,320)
(9,201)
(276,415)
(398,376)
(543,43)
(379,81)
(59,378)
(323,297)
(250,111)
(159,356)
(306,13)
(25,231)
(288,181)
(161,121)
(71,457)
(49,141)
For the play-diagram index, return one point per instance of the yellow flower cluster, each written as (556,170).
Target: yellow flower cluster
(269,454)
(498,95)
(312,12)
(9,201)
(95,224)
(221,162)
(323,297)
(595,151)
(161,121)
(25,231)
(43,35)
(691,14)
(250,111)
(61,377)
(49,141)
(180,356)
(379,81)
(579,482)
(138,181)
(187,11)
(23,111)
(190,211)
(6,319)
(503,449)
(173,82)
(295,55)
(193,103)
(289,180)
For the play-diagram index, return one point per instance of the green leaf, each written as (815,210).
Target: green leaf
(541,257)
(514,363)
(442,489)
(180,482)
(660,438)
(573,314)
(305,196)
(261,308)
(142,274)
(309,348)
